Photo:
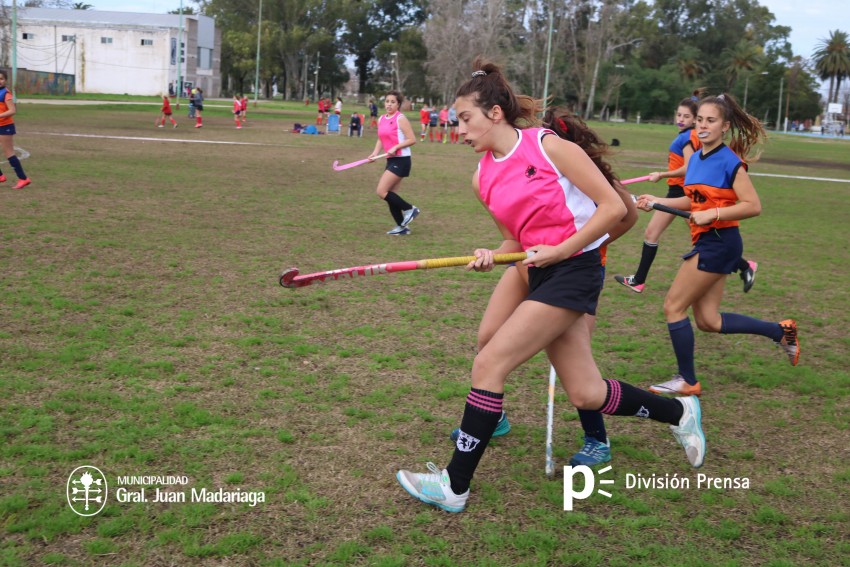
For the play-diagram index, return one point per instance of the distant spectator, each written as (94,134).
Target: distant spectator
(355,125)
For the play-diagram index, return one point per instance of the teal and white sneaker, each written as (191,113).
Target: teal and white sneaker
(594,452)
(409,215)
(689,431)
(433,488)
(502,428)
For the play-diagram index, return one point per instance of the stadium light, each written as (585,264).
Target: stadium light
(257,70)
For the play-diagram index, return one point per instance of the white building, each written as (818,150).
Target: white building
(120,52)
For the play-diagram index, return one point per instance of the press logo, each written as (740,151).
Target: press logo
(570,492)
(86,490)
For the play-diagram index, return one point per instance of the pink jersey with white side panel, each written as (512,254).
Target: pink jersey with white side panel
(530,197)
(390,134)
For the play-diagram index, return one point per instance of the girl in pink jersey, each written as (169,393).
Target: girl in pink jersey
(395,136)
(547,197)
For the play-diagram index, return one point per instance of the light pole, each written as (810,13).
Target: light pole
(257,70)
(393,74)
(779,110)
(548,61)
(316,82)
(747,87)
(14,50)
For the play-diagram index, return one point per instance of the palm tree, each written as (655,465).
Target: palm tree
(81,6)
(832,61)
(689,64)
(744,56)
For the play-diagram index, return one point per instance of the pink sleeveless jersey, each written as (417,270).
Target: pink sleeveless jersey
(526,193)
(390,134)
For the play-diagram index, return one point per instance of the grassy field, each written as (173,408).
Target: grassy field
(142,331)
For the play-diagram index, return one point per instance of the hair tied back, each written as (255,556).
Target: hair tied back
(562,124)
(479,73)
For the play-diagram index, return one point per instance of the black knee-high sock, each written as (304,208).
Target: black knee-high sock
(625,399)
(743,265)
(480,416)
(647,257)
(593,425)
(398,216)
(16,165)
(395,199)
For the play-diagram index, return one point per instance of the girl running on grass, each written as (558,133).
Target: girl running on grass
(719,193)
(681,149)
(395,136)
(512,288)
(548,197)
(7,134)
(165,112)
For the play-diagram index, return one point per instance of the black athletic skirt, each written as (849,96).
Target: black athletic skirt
(573,283)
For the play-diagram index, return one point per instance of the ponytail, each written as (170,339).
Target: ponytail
(746,131)
(488,87)
(573,129)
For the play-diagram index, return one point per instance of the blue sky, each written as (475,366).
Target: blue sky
(810,20)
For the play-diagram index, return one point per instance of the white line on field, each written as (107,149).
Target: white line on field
(160,139)
(801,177)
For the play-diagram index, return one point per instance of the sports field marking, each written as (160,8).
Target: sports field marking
(143,139)
(800,177)
(827,179)
(22,154)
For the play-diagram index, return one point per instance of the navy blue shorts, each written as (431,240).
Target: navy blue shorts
(674,191)
(399,166)
(719,250)
(573,283)
(7,130)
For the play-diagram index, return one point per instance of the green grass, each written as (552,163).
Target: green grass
(143,332)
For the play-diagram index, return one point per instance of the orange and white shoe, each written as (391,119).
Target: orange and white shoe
(22,183)
(790,342)
(676,386)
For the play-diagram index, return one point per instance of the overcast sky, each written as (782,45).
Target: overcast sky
(810,20)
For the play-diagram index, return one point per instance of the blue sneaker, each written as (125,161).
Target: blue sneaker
(594,452)
(689,431)
(433,488)
(502,428)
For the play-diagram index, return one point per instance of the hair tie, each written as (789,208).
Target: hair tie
(562,124)
(695,98)
(479,73)
(721,97)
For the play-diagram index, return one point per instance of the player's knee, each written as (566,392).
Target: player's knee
(708,324)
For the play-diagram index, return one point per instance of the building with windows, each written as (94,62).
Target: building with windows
(121,52)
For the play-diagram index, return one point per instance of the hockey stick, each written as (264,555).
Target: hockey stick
(550,419)
(634,180)
(290,277)
(338,167)
(666,209)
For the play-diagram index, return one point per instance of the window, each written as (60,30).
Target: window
(28,36)
(106,40)
(147,42)
(69,38)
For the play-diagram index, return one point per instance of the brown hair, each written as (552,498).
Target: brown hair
(692,102)
(746,131)
(488,87)
(573,129)
(397,96)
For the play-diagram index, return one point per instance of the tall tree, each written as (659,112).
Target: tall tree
(832,61)
(741,57)
(367,23)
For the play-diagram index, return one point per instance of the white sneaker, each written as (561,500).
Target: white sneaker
(397,230)
(409,215)
(677,386)
(689,431)
(433,488)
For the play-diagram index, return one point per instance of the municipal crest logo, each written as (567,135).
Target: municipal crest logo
(466,442)
(642,412)
(86,490)
(531,171)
